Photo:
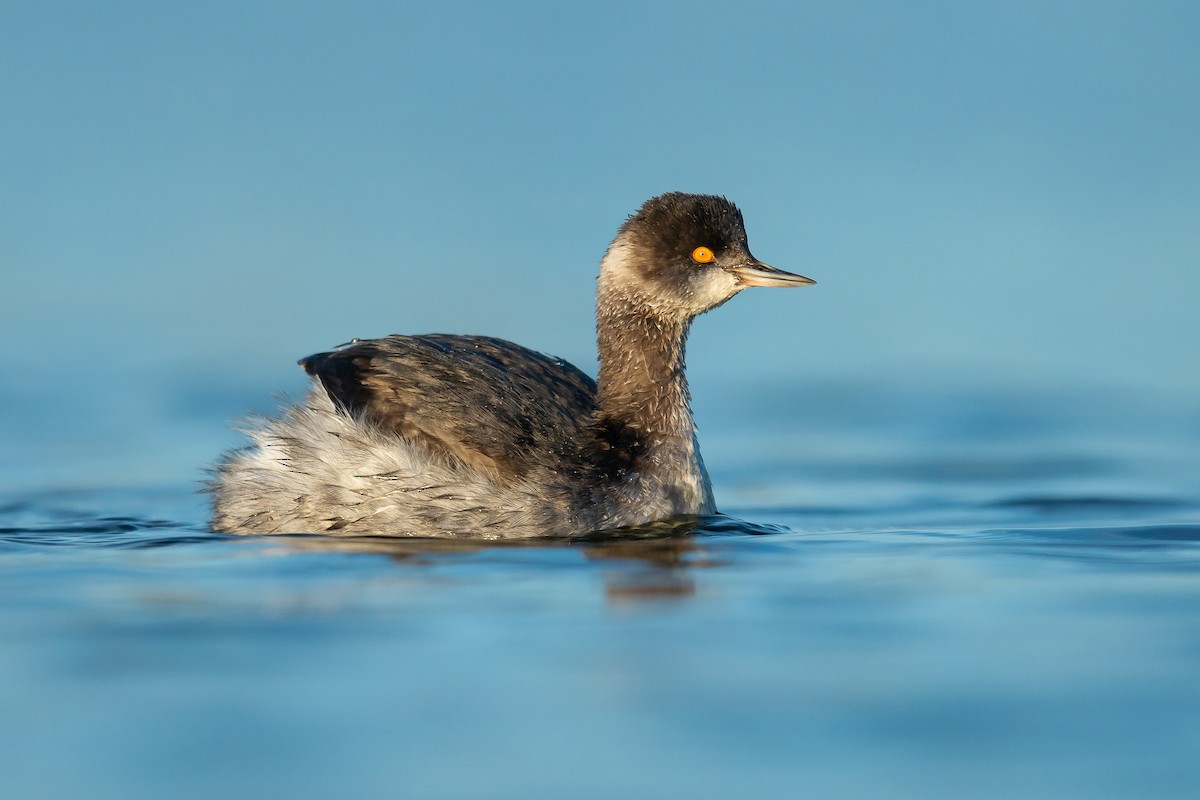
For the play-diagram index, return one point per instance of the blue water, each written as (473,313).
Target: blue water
(915,594)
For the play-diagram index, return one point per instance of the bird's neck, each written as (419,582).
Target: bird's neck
(644,437)
(642,384)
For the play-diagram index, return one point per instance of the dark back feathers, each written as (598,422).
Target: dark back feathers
(489,403)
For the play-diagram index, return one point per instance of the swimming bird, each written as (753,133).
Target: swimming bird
(470,436)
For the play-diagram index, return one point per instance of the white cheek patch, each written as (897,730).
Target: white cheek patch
(713,287)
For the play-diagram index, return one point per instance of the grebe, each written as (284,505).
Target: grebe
(441,435)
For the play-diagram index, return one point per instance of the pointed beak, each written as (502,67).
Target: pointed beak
(756,273)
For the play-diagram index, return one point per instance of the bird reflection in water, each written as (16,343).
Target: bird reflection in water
(653,562)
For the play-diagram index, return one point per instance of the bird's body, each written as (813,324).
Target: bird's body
(441,435)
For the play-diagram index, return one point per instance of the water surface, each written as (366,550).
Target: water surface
(913,595)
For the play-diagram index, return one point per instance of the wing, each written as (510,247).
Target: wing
(490,403)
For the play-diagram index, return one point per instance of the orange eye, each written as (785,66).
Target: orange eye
(702,255)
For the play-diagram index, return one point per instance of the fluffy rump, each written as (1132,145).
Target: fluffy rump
(317,469)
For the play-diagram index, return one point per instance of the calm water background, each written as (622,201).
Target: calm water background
(962,472)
